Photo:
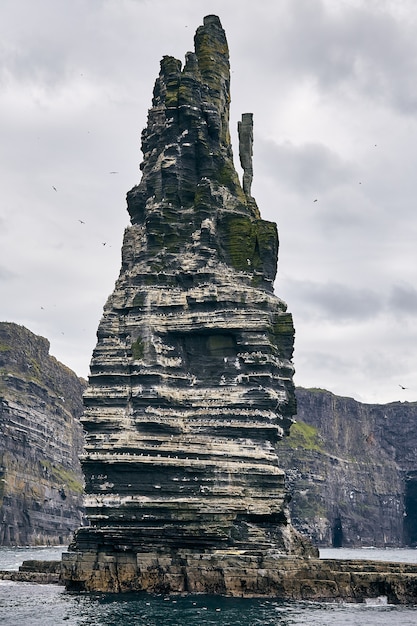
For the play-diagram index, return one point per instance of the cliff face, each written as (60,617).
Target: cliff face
(191,379)
(350,466)
(41,438)
(351,470)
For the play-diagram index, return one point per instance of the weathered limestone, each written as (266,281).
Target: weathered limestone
(191,379)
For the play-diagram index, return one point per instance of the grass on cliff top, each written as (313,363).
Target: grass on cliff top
(303,435)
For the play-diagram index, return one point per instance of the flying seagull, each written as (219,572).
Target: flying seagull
(54,188)
(81,222)
(402,387)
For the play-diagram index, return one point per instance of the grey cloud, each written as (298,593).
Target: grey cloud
(35,54)
(334,301)
(6,274)
(403,298)
(345,304)
(77,40)
(310,167)
(364,49)
(322,360)
(81,78)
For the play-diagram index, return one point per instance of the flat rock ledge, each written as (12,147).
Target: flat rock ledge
(35,571)
(242,575)
(229,574)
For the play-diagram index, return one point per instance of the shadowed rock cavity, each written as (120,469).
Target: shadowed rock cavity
(191,379)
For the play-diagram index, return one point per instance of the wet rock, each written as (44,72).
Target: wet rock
(241,574)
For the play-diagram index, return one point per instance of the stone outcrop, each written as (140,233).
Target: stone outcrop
(372,582)
(254,575)
(351,470)
(191,379)
(41,481)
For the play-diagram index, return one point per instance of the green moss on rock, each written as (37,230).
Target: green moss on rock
(240,242)
(267,238)
(250,245)
(63,476)
(283,334)
(303,435)
(138,349)
(171,68)
(139,300)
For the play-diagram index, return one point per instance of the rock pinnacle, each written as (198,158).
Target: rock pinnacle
(191,379)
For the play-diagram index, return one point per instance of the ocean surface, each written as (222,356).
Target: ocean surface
(25,604)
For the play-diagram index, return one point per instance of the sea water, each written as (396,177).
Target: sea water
(25,604)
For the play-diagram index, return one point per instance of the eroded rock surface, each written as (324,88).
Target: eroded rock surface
(191,379)
(248,574)
(41,438)
(351,470)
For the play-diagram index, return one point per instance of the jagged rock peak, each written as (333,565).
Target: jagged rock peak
(191,379)
(186,145)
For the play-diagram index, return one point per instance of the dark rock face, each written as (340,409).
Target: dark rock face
(351,470)
(245,130)
(191,380)
(41,438)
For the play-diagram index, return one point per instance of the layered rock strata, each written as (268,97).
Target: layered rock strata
(351,470)
(41,438)
(251,575)
(191,379)
(245,131)
(372,582)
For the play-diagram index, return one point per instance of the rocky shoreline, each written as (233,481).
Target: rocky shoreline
(35,571)
(236,575)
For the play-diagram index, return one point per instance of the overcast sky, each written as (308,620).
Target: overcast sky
(333,88)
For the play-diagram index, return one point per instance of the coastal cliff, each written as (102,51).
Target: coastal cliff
(41,438)
(350,466)
(351,470)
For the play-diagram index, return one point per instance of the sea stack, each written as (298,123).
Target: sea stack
(191,380)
